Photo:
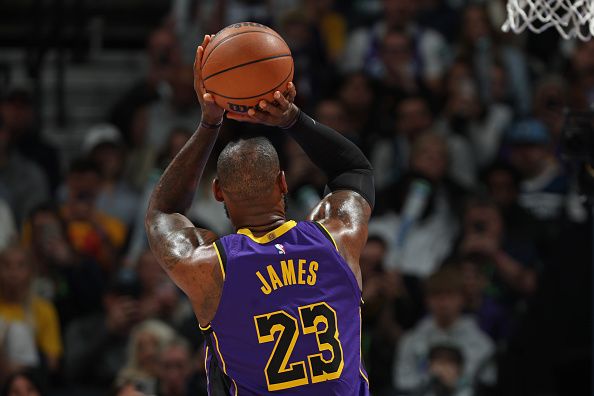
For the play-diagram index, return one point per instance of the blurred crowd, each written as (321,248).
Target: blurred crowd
(476,274)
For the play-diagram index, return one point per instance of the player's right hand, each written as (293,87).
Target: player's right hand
(211,112)
(280,113)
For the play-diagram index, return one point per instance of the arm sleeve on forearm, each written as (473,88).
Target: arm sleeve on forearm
(345,166)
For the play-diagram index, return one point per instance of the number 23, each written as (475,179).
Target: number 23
(278,374)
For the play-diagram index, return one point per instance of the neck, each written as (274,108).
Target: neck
(260,225)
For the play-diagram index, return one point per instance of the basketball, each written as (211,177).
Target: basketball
(245,63)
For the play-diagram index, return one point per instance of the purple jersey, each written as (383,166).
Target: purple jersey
(289,319)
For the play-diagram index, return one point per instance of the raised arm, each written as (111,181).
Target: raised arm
(186,252)
(345,211)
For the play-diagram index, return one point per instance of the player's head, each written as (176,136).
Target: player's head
(249,179)
(444,296)
(16,273)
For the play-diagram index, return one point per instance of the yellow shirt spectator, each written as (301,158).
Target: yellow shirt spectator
(42,315)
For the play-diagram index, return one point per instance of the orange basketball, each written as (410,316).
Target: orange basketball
(244,63)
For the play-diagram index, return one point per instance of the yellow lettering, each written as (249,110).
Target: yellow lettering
(266,289)
(288,271)
(311,278)
(301,281)
(274,279)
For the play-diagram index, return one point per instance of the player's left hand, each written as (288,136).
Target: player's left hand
(281,113)
(211,112)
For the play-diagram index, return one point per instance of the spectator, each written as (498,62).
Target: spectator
(176,110)
(356,94)
(17,110)
(143,361)
(474,130)
(390,156)
(503,187)
(306,181)
(17,347)
(481,45)
(419,211)
(545,190)
(332,112)
(160,298)
(309,55)
(26,185)
(439,15)
(19,303)
(492,317)
(141,155)
(581,73)
(390,308)
(516,260)
(445,373)
(398,78)
(331,25)
(163,56)
(104,146)
(91,232)
(550,98)
(96,344)
(444,324)
(126,389)
(22,383)
(73,282)
(176,369)
(362,51)
(8,232)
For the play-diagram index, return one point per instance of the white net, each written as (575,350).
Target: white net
(571,18)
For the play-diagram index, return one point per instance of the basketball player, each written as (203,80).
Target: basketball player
(279,301)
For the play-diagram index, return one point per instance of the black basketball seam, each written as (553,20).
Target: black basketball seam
(255,96)
(245,64)
(235,35)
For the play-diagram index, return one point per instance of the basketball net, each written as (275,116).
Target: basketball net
(571,18)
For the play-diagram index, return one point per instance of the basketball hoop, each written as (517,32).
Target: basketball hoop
(571,18)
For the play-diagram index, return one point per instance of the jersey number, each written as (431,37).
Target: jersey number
(281,375)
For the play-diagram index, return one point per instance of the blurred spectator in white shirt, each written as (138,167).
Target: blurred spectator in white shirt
(417,214)
(445,324)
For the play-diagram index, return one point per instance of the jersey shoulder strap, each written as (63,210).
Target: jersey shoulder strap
(222,256)
(326,233)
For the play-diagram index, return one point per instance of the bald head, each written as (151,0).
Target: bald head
(248,168)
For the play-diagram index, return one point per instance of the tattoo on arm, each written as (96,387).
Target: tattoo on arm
(347,207)
(170,233)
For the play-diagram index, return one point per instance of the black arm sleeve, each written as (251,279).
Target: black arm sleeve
(343,163)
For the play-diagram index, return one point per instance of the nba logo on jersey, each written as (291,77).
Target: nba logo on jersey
(280,248)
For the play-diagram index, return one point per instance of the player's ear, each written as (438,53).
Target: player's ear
(282,182)
(216,190)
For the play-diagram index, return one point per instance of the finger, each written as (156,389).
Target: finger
(198,82)
(208,98)
(292,92)
(259,115)
(242,118)
(270,108)
(283,103)
(206,40)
